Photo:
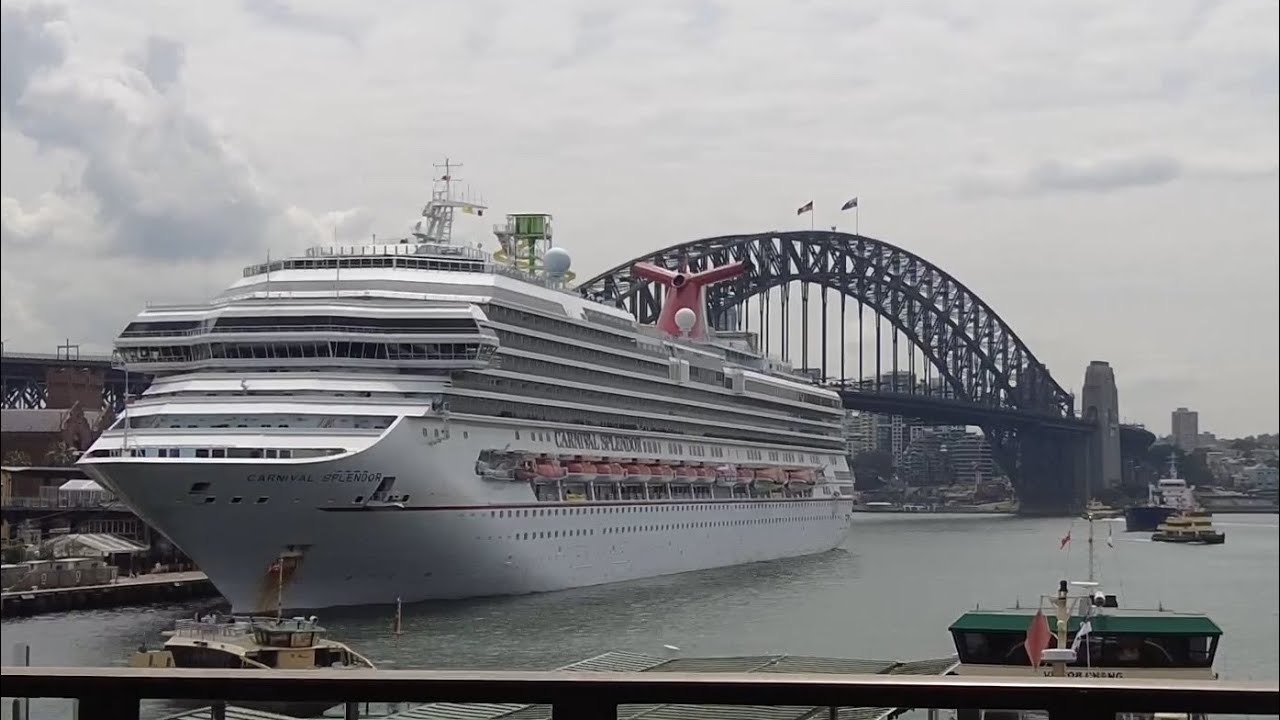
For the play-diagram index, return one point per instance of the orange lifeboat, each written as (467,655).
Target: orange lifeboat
(774,474)
(686,473)
(585,471)
(666,472)
(613,470)
(636,471)
(746,475)
(800,476)
(550,470)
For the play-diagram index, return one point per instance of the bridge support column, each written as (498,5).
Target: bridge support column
(1099,403)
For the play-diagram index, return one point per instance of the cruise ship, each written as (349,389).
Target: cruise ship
(419,419)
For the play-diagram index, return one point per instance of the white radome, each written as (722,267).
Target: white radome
(685,319)
(557,261)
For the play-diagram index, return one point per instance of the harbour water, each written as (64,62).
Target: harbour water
(891,593)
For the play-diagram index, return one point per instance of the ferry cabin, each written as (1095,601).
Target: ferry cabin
(1120,644)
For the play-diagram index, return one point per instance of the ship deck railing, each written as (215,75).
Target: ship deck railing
(116,693)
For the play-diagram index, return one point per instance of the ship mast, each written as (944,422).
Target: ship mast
(437,223)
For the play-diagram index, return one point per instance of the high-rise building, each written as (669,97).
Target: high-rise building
(860,432)
(1185,428)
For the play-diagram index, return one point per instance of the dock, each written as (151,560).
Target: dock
(619,661)
(140,590)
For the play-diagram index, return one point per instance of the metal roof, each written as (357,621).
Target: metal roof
(1122,622)
(40,420)
(101,543)
(233,713)
(638,662)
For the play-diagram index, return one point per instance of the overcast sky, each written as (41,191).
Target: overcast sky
(1103,174)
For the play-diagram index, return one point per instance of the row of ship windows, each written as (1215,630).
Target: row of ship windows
(266,420)
(220,452)
(656,387)
(301,323)
(652,446)
(657,366)
(264,499)
(378,261)
(550,391)
(530,409)
(561,328)
(587,532)
(307,350)
(623,509)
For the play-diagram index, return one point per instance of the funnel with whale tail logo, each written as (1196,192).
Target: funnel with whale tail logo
(686,290)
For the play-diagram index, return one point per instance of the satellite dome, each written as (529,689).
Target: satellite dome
(685,319)
(557,261)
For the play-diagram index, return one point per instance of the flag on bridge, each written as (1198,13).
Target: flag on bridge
(1066,540)
(807,207)
(849,205)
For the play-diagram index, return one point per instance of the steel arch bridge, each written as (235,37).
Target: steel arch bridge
(985,374)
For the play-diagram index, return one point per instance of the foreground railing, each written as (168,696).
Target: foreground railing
(115,693)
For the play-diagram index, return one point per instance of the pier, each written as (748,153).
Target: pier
(157,587)
(115,693)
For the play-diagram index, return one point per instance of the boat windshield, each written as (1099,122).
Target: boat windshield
(1136,651)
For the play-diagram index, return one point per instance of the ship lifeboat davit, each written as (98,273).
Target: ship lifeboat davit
(636,472)
(684,473)
(612,471)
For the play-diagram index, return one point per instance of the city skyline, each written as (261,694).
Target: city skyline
(147,142)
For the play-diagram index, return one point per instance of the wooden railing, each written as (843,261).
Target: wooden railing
(115,693)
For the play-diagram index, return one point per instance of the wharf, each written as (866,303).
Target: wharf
(619,661)
(635,662)
(140,590)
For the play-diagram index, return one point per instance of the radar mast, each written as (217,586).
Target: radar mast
(436,224)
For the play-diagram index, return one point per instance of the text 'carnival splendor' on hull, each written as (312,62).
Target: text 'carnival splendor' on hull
(419,419)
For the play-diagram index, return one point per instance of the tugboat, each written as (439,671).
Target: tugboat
(216,641)
(1085,635)
(1169,496)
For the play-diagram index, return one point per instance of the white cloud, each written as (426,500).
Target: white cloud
(1103,174)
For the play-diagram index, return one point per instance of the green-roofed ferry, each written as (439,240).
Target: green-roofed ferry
(1088,635)
(1119,644)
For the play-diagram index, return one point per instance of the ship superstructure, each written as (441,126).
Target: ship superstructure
(420,419)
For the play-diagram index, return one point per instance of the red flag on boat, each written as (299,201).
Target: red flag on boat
(1066,540)
(1038,637)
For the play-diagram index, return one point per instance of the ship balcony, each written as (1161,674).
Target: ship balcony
(116,693)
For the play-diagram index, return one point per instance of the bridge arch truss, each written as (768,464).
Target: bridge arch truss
(974,352)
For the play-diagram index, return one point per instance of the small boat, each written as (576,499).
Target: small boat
(1164,500)
(1097,510)
(215,641)
(581,470)
(1190,527)
(1084,636)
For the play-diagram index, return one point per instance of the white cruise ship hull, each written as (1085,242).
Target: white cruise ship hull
(454,536)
